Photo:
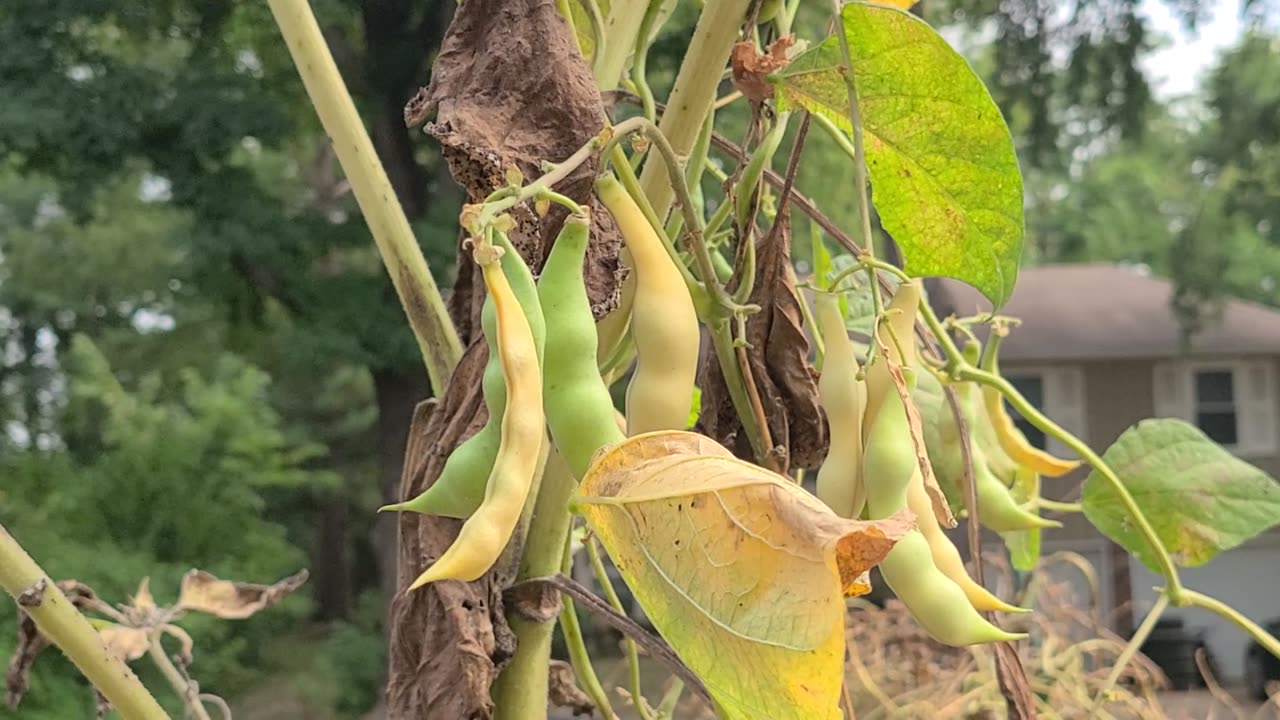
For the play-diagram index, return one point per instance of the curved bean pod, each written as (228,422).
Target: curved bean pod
(663,322)
(843,398)
(937,603)
(579,409)
(945,555)
(485,534)
(460,488)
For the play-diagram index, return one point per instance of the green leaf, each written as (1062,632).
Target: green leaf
(1024,545)
(1199,498)
(944,176)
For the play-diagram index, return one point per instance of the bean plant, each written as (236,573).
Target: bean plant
(692,487)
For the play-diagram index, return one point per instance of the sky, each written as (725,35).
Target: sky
(1176,68)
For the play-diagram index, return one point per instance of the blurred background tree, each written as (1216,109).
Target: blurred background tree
(203,364)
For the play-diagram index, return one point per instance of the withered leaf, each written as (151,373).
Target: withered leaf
(202,592)
(563,690)
(126,643)
(740,569)
(751,70)
(30,643)
(779,359)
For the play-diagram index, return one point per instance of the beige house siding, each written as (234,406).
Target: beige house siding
(1117,394)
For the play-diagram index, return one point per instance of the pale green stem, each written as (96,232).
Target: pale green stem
(579,658)
(633,656)
(860,197)
(694,91)
(567,13)
(62,624)
(621,28)
(437,338)
(639,61)
(1055,506)
(181,685)
(520,692)
(598,39)
(667,708)
(1191,598)
(840,137)
(1135,642)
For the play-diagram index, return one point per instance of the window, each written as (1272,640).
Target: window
(1215,404)
(1232,400)
(1032,388)
(1057,391)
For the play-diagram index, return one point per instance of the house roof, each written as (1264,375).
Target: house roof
(1100,311)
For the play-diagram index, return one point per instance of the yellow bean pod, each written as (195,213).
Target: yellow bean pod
(843,398)
(1015,443)
(485,534)
(663,322)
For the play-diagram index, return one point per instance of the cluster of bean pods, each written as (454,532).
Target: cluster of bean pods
(538,399)
(872,470)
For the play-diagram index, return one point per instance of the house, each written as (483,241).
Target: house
(1099,350)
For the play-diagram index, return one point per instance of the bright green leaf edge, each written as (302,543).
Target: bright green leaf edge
(1199,498)
(944,175)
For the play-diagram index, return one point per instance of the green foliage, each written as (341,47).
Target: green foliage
(946,182)
(1200,498)
(156,479)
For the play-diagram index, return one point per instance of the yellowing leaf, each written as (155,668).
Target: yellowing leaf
(202,592)
(900,4)
(944,177)
(742,571)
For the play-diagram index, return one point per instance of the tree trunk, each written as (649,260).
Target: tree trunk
(397,393)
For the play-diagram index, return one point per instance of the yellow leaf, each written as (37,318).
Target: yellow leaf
(202,592)
(900,4)
(741,570)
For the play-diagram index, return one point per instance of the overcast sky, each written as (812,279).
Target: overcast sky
(1176,68)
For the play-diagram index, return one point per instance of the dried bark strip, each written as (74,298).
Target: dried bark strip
(509,88)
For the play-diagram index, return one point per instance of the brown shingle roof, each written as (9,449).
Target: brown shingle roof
(1097,311)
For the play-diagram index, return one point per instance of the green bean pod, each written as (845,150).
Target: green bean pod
(843,398)
(460,488)
(889,457)
(937,603)
(900,318)
(578,407)
(997,510)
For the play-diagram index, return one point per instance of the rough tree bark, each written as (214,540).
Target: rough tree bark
(509,87)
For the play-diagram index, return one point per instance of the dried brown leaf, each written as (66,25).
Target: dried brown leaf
(563,690)
(142,600)
(779,359)
(751,70)
(509,88)
(202,592)
(126,643)
(30,643)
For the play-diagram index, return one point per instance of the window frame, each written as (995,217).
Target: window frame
(1052,384)
(1235,369)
